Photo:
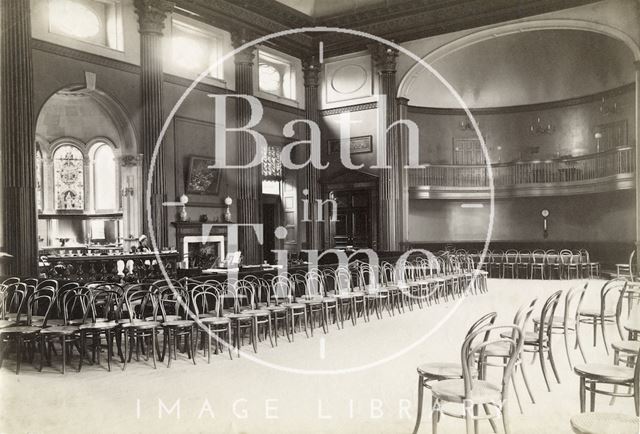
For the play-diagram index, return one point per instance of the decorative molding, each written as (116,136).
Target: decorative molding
(240,37)
(384,57)
(349,108)
(311,71)
(597,97)
(152,15)
(131,160)
(83,56)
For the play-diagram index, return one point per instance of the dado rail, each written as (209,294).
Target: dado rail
(593,173)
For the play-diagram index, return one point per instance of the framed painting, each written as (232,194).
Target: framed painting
(357,145)
(200,178)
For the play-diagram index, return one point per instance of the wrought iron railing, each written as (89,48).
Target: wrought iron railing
(562,170)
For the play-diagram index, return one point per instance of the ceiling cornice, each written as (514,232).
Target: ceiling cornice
(400,22)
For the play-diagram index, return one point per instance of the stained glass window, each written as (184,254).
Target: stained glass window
(270,79)
(68,166)
(272,164)
(39,179)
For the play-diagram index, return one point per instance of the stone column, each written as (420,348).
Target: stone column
(249,180)
(389,188)
(403,144)
(311,70)
(151,18)
(637,114)
(17,140)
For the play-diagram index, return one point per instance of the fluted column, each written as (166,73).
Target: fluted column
(389,184)
(151,18)
(250,179)
(637,114)
(17,140)
(403,144)
(311,70)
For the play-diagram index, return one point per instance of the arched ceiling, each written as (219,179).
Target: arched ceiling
(526,68)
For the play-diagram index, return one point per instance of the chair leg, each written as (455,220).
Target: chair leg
(435,414)
(566,347)
(583,393)
(505,418)
(543,366)
(468,416)
(592,396)
(420,398)
(515,389)
(553,363)
(604,335)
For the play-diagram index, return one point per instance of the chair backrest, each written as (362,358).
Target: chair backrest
(524,314)
(511,256)
(13,298)
(472,351)
(41,301)
(576,293)
(547,314)
(343,280)
(484,321)
(281,289)
(76,305)
(538,256)
(106,302)
(631,256)
(205,298)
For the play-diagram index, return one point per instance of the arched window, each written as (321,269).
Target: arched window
(39,189)
(104,179)
(68,167)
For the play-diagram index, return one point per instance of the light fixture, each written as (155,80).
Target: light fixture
(606,109)
(466,125)
(545,214)
(227,213)
(537,129)
(598,136)
(472,205)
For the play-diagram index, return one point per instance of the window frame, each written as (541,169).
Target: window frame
(277,59)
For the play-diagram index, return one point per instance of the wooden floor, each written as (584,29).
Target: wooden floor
(361,379)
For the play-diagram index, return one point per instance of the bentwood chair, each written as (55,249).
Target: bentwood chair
(431,372)
(388,282)
(279,313)
(510,264)
(312,299)
(538,263)
(283,290)
(539,341)
(605,313)
(568,321)
(348,301)
(172,302)
(626,270)
(207,308)
(25,335)
(594,374)
(495,264)
(75,308)
(315,289)
(101,321)
(141,302)
(590,268)
(495,355)
(472,392)
(242,320)
(524,263)
(604,423)
(376,296)
(261,317)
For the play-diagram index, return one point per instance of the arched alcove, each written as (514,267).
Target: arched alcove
(94,124)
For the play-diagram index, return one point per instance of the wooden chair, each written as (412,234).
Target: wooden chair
(539,341)
(604,423)
(626,270)
(568,321)
(510,264)
(553,260)
(605,313)
(430,372)
(207,308)
(594,374)
(538,263)
(590,268)
(472,392)
(523,263)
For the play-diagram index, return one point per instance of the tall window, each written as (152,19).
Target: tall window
(104,179)
(275,75)
(39,190)
(68,166)
(194,50)
(272,164)
(95,21)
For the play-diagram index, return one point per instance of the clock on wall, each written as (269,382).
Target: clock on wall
(545,213)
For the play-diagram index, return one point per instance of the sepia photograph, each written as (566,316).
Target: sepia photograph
(319,216)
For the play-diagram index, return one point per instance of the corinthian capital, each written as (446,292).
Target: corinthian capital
(384,57)
(152,14)
(238,38)
(311,70)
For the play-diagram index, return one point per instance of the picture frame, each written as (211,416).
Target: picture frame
(357,145)
(200,178)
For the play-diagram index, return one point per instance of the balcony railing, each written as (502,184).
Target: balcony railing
(588,167)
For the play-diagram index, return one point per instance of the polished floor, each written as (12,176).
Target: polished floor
(361,379)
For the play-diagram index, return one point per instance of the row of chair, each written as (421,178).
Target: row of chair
(208,314)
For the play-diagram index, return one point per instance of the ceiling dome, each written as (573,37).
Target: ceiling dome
(526,68)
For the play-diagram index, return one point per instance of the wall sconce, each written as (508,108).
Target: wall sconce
(227,213)
(598,136)
(537,129)
(606,109)
(466,125)
(545,214)
(184,199)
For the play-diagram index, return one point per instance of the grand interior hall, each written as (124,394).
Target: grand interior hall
(319,216)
